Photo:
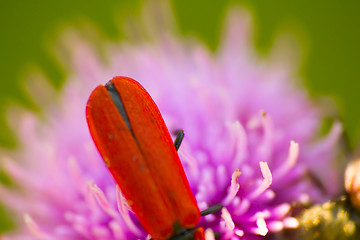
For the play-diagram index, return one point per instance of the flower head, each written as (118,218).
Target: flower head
(250,141)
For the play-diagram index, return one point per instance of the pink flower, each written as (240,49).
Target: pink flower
(251,140)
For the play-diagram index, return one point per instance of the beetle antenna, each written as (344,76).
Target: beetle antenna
(211,209)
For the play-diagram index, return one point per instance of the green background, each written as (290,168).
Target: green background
(328,31)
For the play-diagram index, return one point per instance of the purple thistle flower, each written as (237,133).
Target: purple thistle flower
(250,143)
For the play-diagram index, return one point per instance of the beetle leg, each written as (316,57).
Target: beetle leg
(179,137)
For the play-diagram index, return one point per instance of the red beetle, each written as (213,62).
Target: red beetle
(133,140)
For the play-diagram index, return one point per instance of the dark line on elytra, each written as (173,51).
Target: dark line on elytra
(116,98)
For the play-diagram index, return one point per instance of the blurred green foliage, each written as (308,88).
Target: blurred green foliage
(27,30)
(328,30)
